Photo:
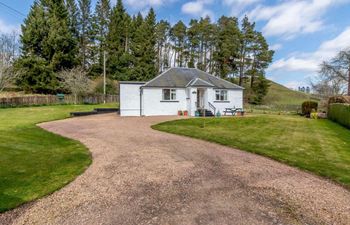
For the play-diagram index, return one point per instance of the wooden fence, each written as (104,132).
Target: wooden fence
(54,100)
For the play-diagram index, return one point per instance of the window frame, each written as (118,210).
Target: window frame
(172,94)
(221,95)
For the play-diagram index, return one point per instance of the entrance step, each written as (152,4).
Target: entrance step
(207,113)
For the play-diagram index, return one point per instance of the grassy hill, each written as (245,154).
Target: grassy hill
(281,95)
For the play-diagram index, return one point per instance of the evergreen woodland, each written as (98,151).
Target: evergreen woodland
(63,34)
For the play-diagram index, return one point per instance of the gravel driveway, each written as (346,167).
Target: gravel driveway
(143,176)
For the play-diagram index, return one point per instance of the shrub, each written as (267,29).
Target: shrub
(339,99)
(307,107)
(340,113)
(111,87)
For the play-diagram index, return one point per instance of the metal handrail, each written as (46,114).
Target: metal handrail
(213,107)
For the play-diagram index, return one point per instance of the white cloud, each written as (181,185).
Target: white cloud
(141,4)
(310,61)
(8,28)
(198,8)
(237,6)
(276,47)
(295,84)
(291,18)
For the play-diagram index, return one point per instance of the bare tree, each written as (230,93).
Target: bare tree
(9,49)
(334,76)
(76,82)
(7,76)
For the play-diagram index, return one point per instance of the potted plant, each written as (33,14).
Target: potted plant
(185,113)
(179,113)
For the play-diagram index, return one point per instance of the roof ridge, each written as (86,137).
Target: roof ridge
(219,78)
(158,76)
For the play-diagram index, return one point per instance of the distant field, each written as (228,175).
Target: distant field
(281,95)
(281,99)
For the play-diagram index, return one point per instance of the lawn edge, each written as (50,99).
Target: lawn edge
(326,178)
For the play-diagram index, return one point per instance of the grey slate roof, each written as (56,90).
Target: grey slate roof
(185,77)
(198,82)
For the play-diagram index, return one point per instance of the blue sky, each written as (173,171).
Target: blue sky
(302,32)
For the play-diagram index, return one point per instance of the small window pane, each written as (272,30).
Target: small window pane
(224,93)
(166,94)
(173,94)
(217,94)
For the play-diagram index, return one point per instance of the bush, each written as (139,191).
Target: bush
(340,113)
(339,99)
(111,87)
(307,107)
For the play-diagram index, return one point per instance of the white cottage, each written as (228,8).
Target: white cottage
(184,89)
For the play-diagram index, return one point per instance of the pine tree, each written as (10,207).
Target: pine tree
(227,46)
(60,47)
(85,31)
(261,57)
(143,47)
(178,36)
(260,89)
(149,58)
(100,28)
(34,31)
(73,16)
(193,39)
(162,34)
(246,40)
(119,59)
(35,74)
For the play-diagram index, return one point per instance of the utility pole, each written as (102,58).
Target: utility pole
(104,77)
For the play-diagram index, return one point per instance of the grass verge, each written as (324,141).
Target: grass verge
(34,162)
(319,146)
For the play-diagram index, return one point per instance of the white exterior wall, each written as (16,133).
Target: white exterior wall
(234,99)
(130,99)
(153,104)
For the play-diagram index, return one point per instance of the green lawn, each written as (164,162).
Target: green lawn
(319,146)
(34,162)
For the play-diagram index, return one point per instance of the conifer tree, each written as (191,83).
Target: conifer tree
(100,28)
(34,31)
(178,36)
(143,47)
(227,46)
(246,40)
(193,39)
(85,31)
(60,47)
(35,74)
(162,34)
(119,59)
(73,17)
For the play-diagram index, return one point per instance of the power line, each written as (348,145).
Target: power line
(14,10)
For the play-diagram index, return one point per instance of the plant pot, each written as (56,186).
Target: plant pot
(179,113)
(186,113)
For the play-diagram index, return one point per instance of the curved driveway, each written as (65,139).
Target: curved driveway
(143,176)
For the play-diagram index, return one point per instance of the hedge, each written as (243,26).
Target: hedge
(340,113)
(307,108)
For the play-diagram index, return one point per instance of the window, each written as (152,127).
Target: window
(221,95)
(169,94)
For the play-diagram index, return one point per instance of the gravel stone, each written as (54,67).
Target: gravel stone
(143,176)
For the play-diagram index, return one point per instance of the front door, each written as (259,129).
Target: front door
(200,98)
